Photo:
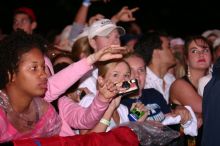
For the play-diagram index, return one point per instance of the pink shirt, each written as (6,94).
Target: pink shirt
(77,117)
(48,125)
(57,85)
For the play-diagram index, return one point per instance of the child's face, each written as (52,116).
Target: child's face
(118,73)
(30,79)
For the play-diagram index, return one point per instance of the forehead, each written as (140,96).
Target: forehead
(119,67)
(32,55)
(135,61)
(198,43)
(121,64)
(21,16)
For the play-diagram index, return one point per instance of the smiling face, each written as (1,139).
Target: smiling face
(199,55)
(30,78)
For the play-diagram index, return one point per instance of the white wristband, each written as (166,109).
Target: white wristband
(105,122)
(86,4)
(187,124)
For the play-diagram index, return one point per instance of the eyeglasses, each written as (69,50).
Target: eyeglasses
(203,51)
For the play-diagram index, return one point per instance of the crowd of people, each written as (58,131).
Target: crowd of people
(73,84)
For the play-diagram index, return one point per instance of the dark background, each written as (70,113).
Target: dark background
(177,17)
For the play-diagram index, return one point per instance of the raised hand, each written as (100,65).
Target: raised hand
(108,53)
(125,15)
(107,90)
(184,113)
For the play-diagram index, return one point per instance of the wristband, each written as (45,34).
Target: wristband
(92,59)
(105,122)
(86,3)
(187,124)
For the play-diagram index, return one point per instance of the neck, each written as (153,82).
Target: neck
(20,102)
(134,96)
(160,71)
(195,75)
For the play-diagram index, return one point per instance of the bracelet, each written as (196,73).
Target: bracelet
(187,124)
(105,122)
(92,59)
(86,3)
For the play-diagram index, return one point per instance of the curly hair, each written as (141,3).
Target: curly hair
(12,48)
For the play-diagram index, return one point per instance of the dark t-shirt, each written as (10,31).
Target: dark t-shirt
(154,101)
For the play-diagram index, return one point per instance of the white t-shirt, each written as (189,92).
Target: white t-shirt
(89,80)
(202,83)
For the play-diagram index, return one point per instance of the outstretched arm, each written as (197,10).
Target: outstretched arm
(61,81)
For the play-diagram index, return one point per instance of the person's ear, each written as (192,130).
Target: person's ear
(101,81)
(11,77)
(92,43)
(156,53)
(33,25)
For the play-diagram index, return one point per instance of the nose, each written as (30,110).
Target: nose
(116,41)
(201,53)
(135,74)
(43,74)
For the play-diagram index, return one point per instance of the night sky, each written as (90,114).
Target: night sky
(177,17)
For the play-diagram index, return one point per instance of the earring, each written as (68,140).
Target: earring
(188,73)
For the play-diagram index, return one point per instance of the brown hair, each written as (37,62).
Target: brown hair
(81,46)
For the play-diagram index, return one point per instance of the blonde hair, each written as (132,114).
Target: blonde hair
(103,67)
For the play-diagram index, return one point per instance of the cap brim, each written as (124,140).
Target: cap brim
(107,31)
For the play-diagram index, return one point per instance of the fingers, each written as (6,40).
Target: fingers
(138,105)
(134,9)
(117,49)
(107,89)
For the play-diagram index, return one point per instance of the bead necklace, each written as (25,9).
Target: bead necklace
(21,118)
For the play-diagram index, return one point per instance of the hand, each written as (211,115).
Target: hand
(111,52)
(184,113)
(115,103)
(95,18)
(125,15)
(107,89)
(108,53)
(199,120)
(140,107)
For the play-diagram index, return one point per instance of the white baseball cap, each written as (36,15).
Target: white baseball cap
(216,43)
(103,27)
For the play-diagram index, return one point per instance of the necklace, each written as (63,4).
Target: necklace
(26,120)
